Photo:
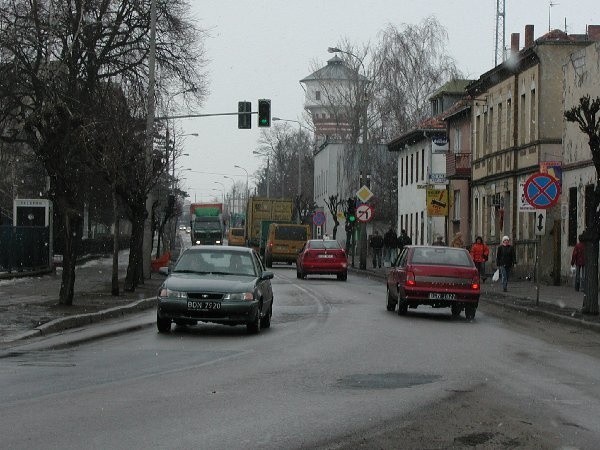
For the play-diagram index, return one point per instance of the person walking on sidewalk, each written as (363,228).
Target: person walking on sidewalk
(376,244)
(403,240)
(480,254)
(389,244)
(457,240)
(505,260)
(578,261)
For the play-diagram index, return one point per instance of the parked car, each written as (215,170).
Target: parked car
(441,277)
(212,283)
(322,257)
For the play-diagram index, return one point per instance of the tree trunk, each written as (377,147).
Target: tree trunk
(590,239)
(71,237)
(135,269)
(336,224)
(115,263)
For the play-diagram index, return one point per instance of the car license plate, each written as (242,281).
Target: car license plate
(325,256)
(440,296)
(203,305)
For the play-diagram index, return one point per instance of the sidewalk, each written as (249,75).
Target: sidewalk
(561,303)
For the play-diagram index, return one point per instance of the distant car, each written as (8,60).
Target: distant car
(212,283)
(182,227)
(188,230)
(441,277)
(322,257)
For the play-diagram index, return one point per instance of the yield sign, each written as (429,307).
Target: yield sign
(542,190)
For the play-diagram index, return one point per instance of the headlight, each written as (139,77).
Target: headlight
(239,296)
(164,292)
(218,242)
(197,242)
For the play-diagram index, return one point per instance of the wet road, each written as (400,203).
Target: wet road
(336,370)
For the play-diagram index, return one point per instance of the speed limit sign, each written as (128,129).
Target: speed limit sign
(364,213)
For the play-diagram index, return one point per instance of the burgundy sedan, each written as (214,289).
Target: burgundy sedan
(322,257)
(441,277)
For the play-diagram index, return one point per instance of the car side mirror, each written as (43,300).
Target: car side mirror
(266,275)
(164,270)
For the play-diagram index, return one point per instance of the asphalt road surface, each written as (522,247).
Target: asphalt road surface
(336,370)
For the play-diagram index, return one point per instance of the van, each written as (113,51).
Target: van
(284,241)
(235,236)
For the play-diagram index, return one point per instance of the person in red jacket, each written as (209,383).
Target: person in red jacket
(578,261)
(480,254)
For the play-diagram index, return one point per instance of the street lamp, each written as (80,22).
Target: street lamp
(363,155)
(256,152)
(247,193)
(222,190)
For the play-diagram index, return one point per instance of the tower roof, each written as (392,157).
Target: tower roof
(336,69)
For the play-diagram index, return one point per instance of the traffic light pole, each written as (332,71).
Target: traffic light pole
(363,161)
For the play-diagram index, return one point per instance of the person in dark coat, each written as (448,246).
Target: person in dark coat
(403,240)
(578,261)
(376,244)
(505,260)
(389,244)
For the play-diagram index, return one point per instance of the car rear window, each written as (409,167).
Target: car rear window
(324,244)
(288,233)
(441,256)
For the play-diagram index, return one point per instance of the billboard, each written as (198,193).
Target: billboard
(437,202)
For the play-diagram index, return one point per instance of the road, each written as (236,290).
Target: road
(336,370)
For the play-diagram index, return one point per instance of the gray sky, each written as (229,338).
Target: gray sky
(262,48)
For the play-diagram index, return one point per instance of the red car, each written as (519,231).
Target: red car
(441,277)
(322,257)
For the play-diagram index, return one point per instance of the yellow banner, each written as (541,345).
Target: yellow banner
(437,202)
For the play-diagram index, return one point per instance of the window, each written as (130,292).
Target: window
(522,121)
(417,166)
(456,205)
(572,231)
(499,128)
(412,168)
(422,237)
(317,95)
(422,164)
(401,172)
(509,113)
(532,118)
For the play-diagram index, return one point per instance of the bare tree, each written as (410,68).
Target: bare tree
(587,116)
(56,56)
(333,204)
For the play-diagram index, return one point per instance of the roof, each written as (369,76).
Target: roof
(458,108)
(336,69)
(428,126)
(452,87)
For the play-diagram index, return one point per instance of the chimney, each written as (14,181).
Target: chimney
(514,43)
(593,32)
(528,35)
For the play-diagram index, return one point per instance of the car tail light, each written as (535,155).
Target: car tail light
(410,279)
(270,244)
(475,284)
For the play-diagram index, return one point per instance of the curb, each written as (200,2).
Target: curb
(81,320)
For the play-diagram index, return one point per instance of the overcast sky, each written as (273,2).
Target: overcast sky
(262,48)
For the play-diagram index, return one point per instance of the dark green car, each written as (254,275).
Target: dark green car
(212,283)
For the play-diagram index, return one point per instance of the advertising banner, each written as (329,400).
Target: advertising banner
(437,202)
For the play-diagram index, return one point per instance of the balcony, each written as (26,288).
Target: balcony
(458,166)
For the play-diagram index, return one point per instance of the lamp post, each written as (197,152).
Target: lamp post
(223,189)
(247,193)
(363,154)
(256,152)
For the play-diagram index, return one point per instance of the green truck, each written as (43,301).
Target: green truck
(206,223)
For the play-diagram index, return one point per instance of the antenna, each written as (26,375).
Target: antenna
(550,5)
(500,32)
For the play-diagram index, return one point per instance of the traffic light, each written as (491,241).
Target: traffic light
(350,210)
(264,113)
(244,116)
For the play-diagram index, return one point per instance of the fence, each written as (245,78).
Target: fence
(24,248)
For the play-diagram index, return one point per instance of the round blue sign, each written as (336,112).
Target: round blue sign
(542,190)
(319,218)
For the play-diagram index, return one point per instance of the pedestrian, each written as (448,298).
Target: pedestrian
(403,240)
(505,260)
(457,240)
(376,244)
(439,240)
(389,243)
(480,254)
(578,261)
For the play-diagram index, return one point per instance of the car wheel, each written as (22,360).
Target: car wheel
(342,276)
(266,320)
(254,326)
(456,310)
(470,311)
(163,325)
(391,303)
(402,305)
